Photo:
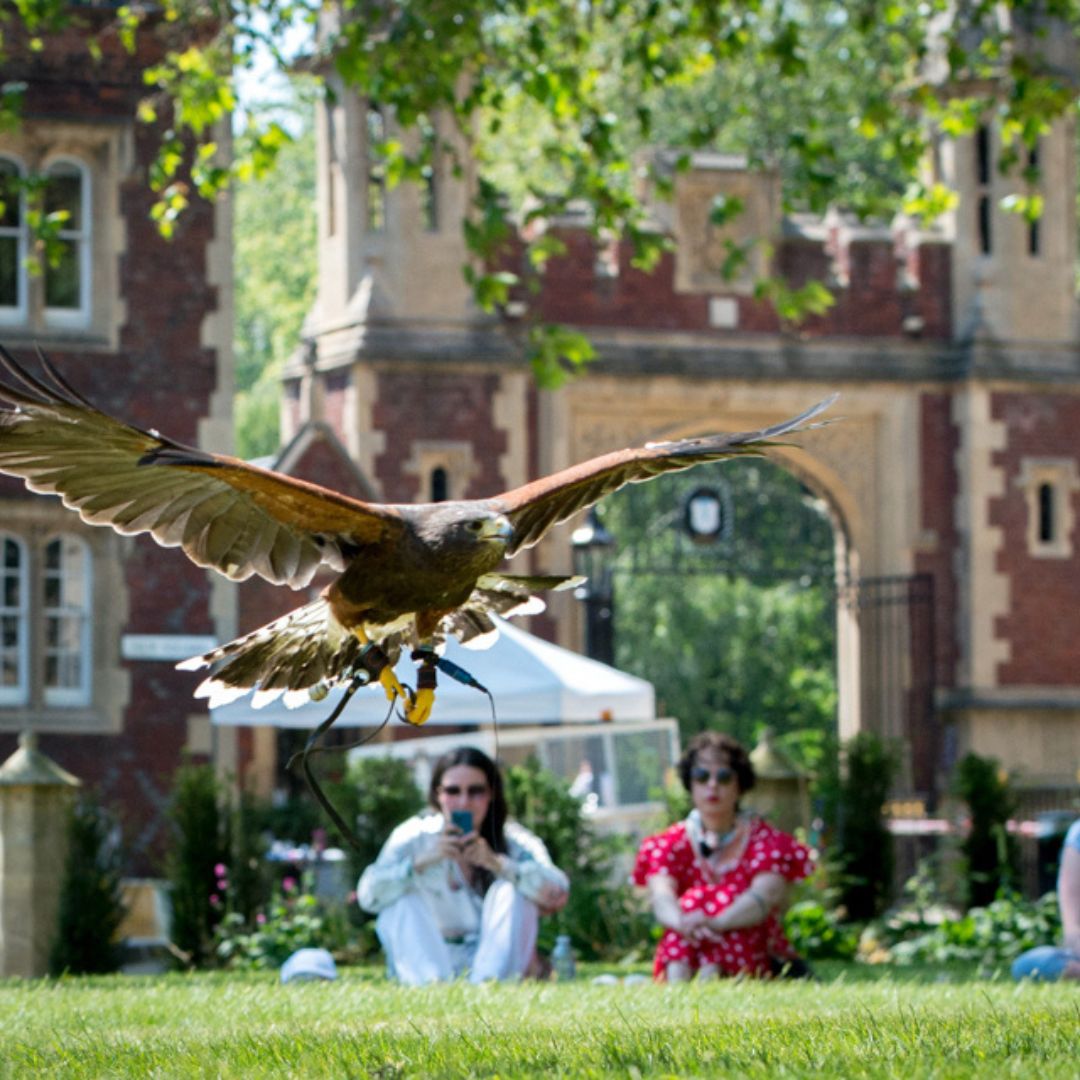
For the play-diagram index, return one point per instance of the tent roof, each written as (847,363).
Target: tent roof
(531,680)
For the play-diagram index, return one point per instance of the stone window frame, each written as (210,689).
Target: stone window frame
(103,155)
(32,310)
(455,458)
(97,705)
(1062,478)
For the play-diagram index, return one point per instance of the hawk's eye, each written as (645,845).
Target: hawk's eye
(475,525)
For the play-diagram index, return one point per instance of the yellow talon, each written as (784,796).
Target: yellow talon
(419,712)
(393,686)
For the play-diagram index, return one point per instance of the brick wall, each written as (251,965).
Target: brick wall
(1043,624)
(873,304)
(939,440)
(422,404)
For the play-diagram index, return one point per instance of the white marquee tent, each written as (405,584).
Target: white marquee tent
(531,680)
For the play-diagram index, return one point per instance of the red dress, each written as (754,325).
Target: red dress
(767,851)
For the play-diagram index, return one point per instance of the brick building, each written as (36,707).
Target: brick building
(93,622)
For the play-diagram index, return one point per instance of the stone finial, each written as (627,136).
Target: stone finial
(770,762)
(28,767)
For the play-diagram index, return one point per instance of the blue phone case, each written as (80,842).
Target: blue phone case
(462,819)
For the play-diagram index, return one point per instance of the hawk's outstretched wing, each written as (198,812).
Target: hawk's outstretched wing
(536,507)
(224,513)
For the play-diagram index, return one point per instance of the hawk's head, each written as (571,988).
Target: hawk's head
(461,527)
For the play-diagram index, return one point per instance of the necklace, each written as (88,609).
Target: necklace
(712,842)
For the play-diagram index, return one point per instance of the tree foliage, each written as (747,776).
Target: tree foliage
(275,260)
(842,92)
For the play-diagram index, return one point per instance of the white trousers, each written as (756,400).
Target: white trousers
(417,954)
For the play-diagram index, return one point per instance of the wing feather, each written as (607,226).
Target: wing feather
(224,513)
(534,508)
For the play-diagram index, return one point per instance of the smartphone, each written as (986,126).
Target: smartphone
(462,819)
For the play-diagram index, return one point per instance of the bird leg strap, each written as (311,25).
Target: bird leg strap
(374,661)
(420,710)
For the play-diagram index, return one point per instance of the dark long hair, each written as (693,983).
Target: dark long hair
(492,827)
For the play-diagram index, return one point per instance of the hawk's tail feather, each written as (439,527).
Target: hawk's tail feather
(302,649)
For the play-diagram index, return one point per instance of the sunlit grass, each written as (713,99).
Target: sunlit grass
(854,1024)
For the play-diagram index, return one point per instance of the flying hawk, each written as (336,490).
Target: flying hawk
(407,576)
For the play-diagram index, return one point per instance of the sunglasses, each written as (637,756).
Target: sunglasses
(473,791)
(700,775)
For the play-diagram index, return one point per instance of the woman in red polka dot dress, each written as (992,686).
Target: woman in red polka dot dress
(718,880)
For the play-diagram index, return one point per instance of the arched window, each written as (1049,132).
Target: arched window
(67,262)
(66,600)
(14,622)
(1034,234)
(429,186)
(440,485)
(376,178)
(983,179)
(1047,532)
(12,242)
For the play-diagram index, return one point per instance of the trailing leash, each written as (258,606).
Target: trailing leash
(371,662)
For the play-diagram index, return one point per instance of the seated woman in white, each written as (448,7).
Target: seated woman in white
(457,901)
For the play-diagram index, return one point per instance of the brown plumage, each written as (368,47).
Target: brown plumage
(406,574)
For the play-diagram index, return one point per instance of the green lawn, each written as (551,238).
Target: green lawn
(854,1022)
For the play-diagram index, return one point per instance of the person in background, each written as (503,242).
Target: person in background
(1048,963)
(455,901)
(718,881)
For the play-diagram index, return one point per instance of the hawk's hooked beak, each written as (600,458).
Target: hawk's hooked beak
(497,528)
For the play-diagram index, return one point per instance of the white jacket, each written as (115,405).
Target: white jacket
(455,905)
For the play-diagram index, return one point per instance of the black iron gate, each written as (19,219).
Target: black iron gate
(895,620)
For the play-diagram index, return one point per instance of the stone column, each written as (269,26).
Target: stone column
(35,801)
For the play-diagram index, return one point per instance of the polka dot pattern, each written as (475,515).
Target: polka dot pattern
(767,851)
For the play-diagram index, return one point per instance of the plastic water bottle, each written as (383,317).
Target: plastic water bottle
(562,959)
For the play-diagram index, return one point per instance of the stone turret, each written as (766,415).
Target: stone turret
(1014,278)
(390,255)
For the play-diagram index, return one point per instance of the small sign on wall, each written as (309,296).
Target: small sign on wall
(165,646)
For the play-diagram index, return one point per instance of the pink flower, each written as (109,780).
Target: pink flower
(260,918)
(221,870)
(222,885)
(352,897)
(289,884)
(215,899)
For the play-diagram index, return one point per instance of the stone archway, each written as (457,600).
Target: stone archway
(864,468)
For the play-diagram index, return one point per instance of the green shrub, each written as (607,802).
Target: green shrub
(198,849)
(249,875)
(603,916)
(817,933)
(91,903)
(294,919)
(991,856)
(997,933)
(814,926)
(861,850)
